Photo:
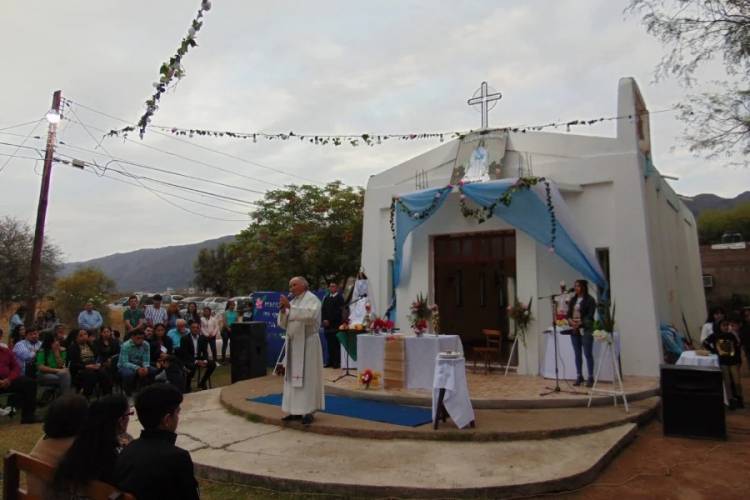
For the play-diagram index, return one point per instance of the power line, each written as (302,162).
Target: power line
(20,135)
(122,181)
(167,171)
(138,180)
(125,173)
(239,158)
(21,145)
(206,148)
(20,157)
(19,125)
(181,157)
(96,166)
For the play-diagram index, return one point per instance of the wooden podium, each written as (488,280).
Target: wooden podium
(394,372)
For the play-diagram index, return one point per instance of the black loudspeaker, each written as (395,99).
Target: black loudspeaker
(693,401)
(248,350)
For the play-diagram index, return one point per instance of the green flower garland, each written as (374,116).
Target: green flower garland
(168,72)
(483,213)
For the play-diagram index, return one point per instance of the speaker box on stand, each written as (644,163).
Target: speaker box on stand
(693,401)
(248,350)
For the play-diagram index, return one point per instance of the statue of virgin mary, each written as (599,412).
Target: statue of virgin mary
(479,162)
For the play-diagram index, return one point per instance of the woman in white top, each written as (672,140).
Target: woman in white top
(210,328)
(714,316)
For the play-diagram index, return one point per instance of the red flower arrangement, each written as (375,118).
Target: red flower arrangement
(381,325)
(367,377)
(421,314)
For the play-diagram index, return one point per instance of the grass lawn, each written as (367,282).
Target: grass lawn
(22,438)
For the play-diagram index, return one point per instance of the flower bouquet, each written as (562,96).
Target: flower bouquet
(367,377)
(420,315)
(521,315)
(381,325)
(605,325)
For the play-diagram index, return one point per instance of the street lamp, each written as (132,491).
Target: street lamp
(53,116)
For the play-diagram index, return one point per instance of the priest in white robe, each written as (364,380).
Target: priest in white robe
(303,363)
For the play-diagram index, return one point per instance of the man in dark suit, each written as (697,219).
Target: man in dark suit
(152,467)
(194,354)
(332,314)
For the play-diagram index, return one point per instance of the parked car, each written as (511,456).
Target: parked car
(216,304)
(121,302)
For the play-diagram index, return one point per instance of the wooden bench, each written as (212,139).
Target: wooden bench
(15,462)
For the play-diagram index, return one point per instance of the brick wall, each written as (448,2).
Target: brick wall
(730,269)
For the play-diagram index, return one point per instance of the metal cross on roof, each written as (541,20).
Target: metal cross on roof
(486,100)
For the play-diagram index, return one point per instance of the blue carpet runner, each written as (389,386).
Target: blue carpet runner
(389,413)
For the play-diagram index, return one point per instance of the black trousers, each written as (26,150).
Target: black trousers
(207,371)
(87,379)
(334,348)
(24,393)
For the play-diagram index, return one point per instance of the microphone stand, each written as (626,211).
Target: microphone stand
(556,389)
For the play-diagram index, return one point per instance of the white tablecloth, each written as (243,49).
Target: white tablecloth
(450,374)
(420,354)
(566,361)
(691,359)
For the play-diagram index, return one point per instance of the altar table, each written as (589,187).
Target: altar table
(566,361)
(419,356)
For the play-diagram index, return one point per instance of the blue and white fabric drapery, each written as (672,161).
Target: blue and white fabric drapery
(411,211)
(528,211)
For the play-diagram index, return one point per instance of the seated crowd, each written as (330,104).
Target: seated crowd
(158,345)
(89,442)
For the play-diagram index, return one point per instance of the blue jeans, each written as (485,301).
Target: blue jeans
(585,341)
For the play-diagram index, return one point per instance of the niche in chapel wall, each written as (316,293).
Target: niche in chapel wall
(480,157)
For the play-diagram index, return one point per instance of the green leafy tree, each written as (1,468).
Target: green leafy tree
(305,230)
(713,223)
(696,32)
(212,269)
(86,284)
(16,243)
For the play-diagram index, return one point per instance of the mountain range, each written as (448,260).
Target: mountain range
(157,269)
(702,202)
(150,269)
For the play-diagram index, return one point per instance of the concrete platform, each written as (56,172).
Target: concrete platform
(491,424)
(228,447)
(497,391)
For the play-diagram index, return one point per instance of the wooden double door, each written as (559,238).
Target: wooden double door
(474,281)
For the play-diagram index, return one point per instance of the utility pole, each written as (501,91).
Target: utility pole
(41,214)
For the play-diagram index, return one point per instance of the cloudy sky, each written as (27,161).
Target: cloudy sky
(313,67)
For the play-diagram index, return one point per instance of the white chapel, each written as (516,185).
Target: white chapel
(628,225)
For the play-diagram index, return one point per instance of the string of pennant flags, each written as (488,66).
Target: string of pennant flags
(367,138)
(173,70)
